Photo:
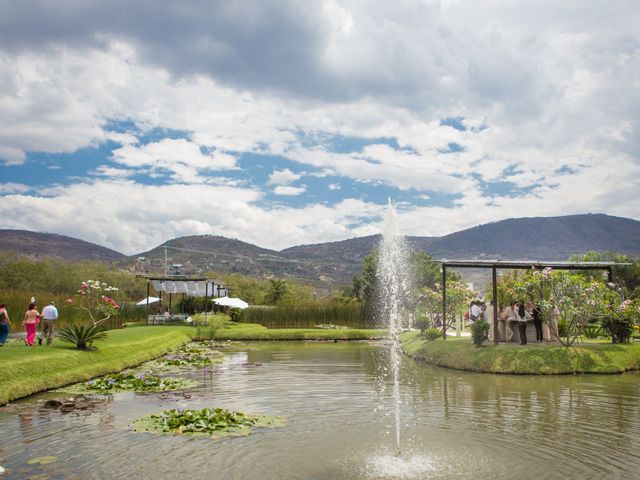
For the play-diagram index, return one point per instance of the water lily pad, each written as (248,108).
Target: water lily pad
(42,460)
(39,476)
(214,423)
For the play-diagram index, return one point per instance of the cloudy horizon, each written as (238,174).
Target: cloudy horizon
(126,125)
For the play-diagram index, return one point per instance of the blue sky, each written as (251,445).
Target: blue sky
(282,127)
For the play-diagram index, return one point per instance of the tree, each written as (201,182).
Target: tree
(572,298)
(459,295)
(278,288)
(626,276)
(425,274)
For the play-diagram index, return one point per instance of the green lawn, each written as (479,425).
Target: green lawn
(27,370)
(251,331)
(536,359)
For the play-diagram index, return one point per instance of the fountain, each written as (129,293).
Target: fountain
(394,283)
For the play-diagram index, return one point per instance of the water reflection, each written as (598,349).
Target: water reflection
(460,425)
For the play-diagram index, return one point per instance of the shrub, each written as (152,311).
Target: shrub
(479,331)
(620,330)
(593,331)
(432,333)
(422,324)
(563,328)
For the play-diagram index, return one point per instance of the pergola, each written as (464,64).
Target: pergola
(194,286)
(494,265)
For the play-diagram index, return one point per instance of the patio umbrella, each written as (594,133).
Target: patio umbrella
(150,300)
(231,302)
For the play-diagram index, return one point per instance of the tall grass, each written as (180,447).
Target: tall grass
(17,302)
(307,316)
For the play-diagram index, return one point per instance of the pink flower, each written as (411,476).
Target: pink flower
(69,300)
(111,302)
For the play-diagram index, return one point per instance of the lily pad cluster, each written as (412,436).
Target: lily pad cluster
(139,383)
(214,422)
(191,355)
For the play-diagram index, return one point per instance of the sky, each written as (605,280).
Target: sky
(283,123)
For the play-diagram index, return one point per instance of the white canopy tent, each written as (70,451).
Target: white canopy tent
(231,302)
(148,300)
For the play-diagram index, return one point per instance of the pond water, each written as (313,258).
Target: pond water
(336,398)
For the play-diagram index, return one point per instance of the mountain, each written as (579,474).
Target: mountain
(538,238)
(330,264)
(36,245)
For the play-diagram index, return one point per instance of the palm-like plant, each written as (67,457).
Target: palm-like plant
(82,336)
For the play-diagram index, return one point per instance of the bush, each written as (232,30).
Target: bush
(479,332)
(432,333)
(422,324)
(620,330)
(593,331)
(563,328)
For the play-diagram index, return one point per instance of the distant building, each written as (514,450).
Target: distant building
(176,269)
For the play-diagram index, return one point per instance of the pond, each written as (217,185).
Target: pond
(336,399)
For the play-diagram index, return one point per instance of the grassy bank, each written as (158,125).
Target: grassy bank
(534,359)
(27,370)
(249,331)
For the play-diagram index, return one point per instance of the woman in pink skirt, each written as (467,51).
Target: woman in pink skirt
(30,322)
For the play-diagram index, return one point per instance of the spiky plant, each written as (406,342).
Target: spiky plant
(82,335)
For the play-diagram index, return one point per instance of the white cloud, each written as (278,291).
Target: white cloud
(9,188)
(283,177)
(540,86)
(289,190)
(183,158)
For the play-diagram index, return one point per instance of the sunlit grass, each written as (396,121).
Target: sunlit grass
(593,356)
(27,370)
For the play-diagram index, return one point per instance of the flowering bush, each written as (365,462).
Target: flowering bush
(94,300)
(619,315)
(101,307)
(574,302)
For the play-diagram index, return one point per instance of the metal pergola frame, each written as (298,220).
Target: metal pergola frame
(494,265)
(184,278)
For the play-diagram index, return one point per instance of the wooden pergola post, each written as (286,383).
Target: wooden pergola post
(494,279)
(444,301)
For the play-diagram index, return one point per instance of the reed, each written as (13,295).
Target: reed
(307,316)
(17,302)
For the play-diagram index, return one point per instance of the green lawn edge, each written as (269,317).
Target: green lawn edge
(535,359)
(251,331)
(28,370)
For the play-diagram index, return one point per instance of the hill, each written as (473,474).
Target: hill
(37,245)
(538,238)
(331,264)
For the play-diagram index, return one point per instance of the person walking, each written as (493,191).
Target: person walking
(521,314)
(49,316)
(5,324)
(30,323)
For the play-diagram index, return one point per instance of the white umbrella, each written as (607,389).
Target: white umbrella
(144,301)
(231,302)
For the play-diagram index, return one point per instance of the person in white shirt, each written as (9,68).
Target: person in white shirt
(476,311)
(49,316)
